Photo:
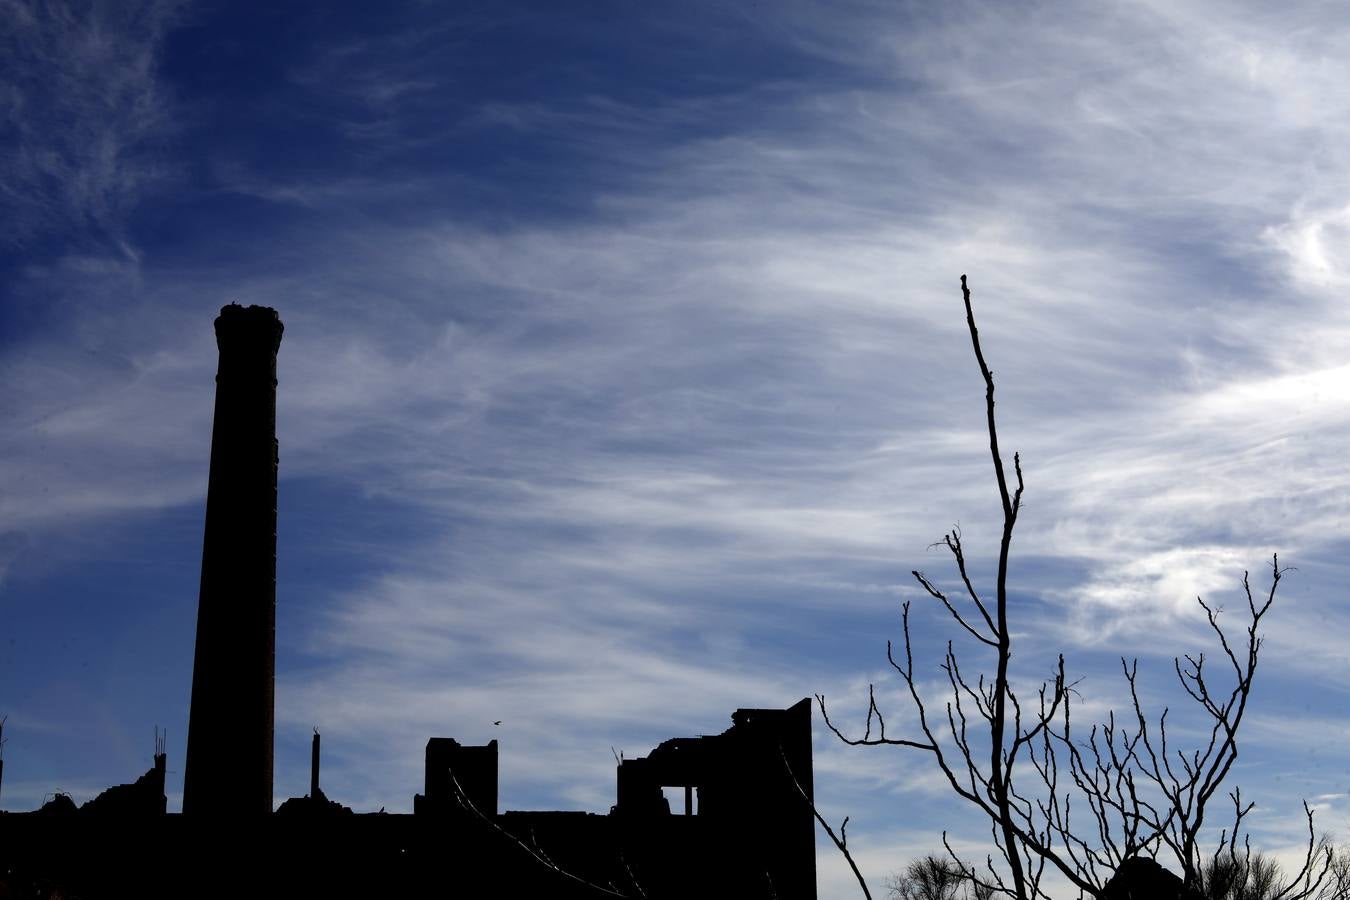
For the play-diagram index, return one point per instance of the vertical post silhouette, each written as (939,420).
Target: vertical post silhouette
(314,766)
(161,770)
(228,768)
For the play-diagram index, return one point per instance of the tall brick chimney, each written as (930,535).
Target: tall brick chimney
(229,750)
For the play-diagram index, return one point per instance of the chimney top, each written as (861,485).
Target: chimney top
(250,323)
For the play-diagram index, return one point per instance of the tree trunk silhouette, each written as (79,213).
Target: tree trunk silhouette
(1142,796)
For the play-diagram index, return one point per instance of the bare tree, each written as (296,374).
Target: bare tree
(1141,795)
(1228,876)
(934,878)
(1233,875)
(1337,883)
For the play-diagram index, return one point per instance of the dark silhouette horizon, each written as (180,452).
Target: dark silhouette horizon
(746,826)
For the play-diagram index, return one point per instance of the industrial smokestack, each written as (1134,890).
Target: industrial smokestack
(229,750)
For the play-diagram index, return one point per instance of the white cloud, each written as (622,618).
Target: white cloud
(1317,244)
(84,106)
(739,389)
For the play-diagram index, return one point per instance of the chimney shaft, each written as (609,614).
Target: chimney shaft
(228,769)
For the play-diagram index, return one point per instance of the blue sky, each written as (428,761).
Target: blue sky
(625,377)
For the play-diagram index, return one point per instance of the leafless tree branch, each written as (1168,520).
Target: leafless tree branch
(1139,795)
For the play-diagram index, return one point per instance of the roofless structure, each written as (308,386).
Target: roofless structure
(742,825)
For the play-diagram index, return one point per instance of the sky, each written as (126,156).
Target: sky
(625,377)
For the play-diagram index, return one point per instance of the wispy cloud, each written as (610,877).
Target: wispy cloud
(85,112)
(666,427)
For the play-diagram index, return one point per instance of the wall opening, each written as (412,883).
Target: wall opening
(681,800)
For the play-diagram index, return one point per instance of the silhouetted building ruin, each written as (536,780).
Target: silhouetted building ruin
(744,831)
(744,828)
(142,798)
(459,780)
